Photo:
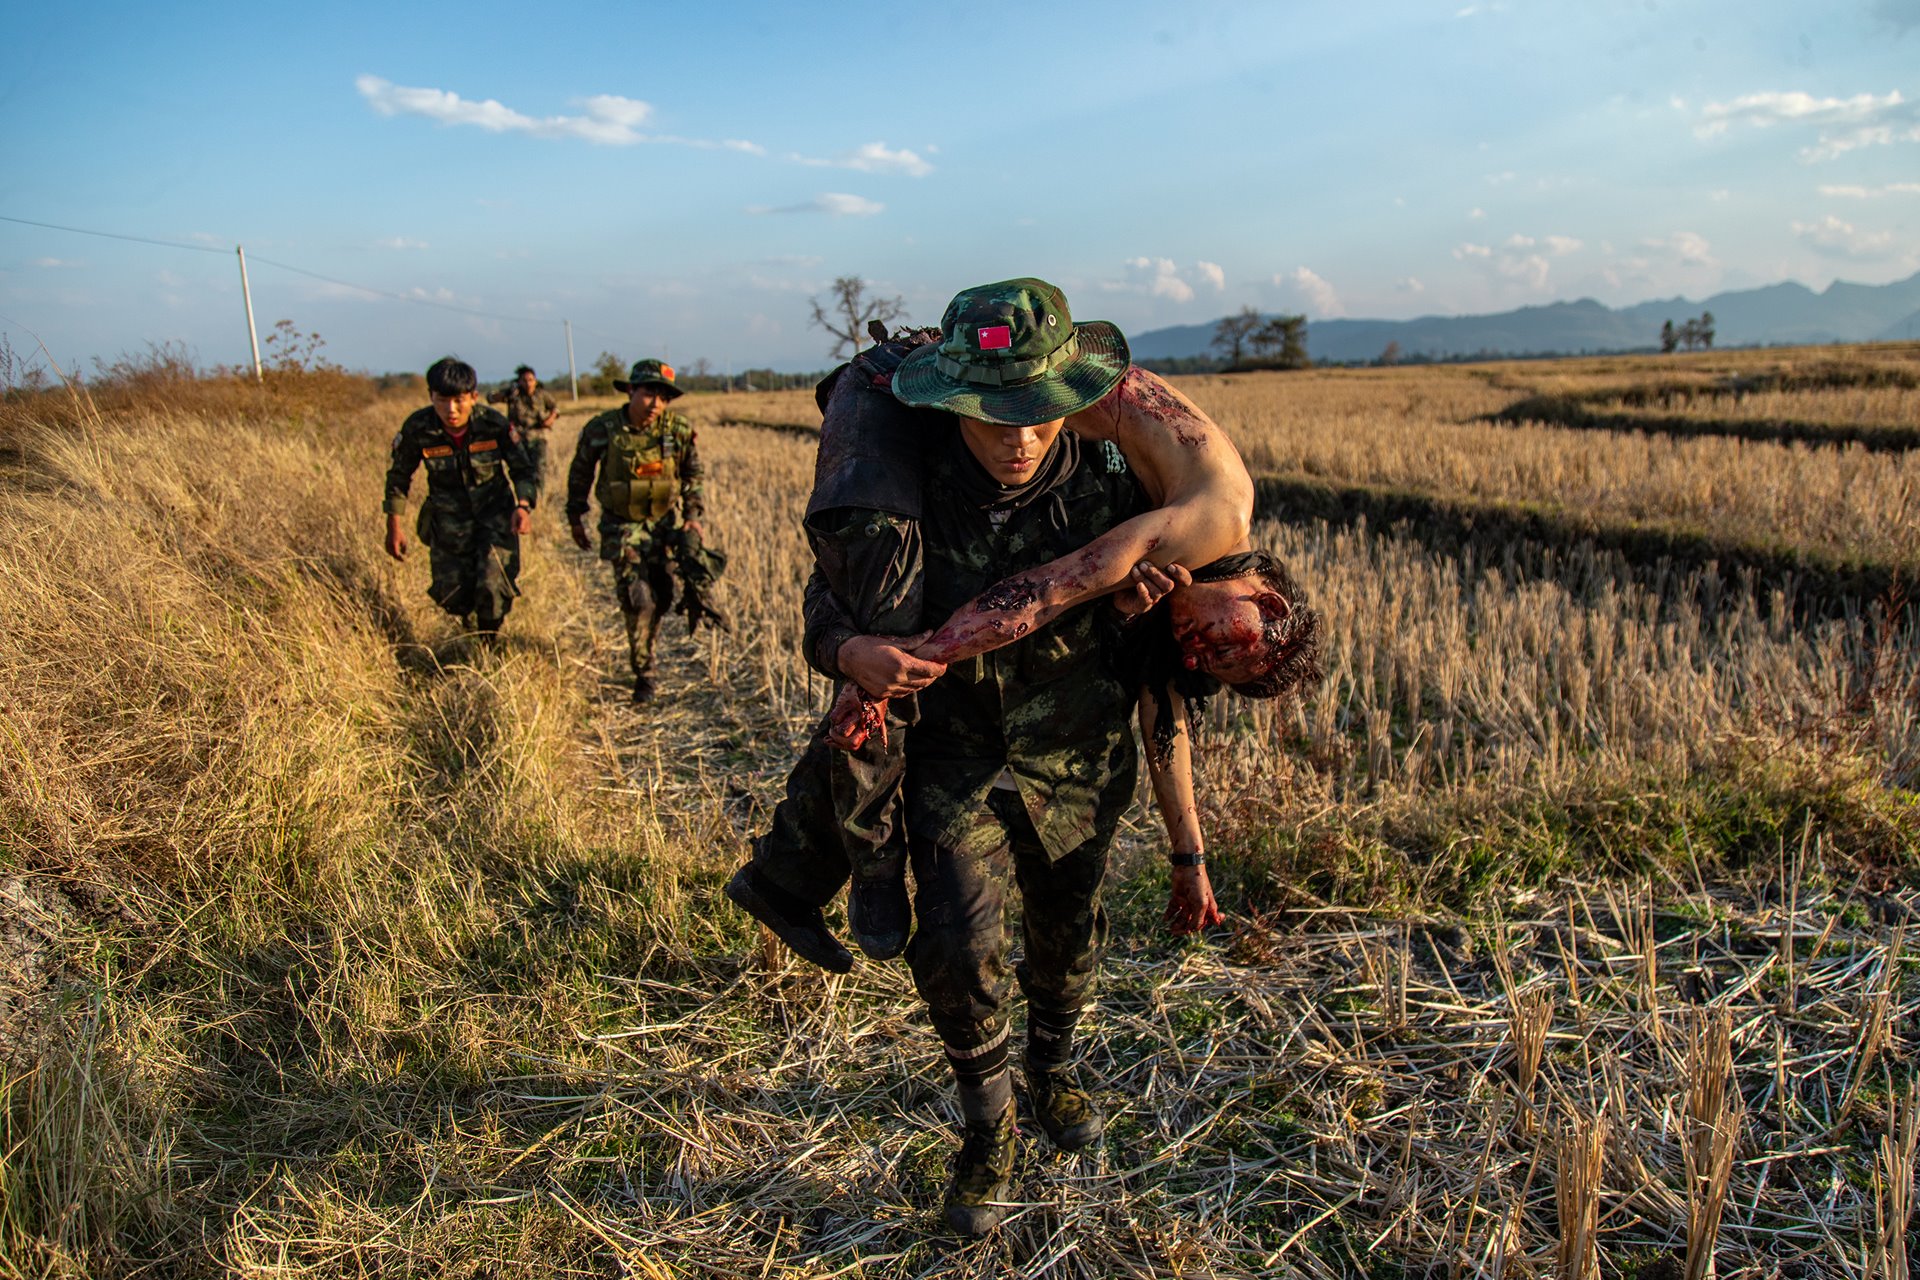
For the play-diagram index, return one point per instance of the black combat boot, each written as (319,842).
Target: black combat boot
(982,1174)
(1065,1111)
(795,923)
(878,911)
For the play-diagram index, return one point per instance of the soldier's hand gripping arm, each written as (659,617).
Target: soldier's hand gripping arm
(875,668)
(1190,904)
(587,454)
(403,461)
(1203,510)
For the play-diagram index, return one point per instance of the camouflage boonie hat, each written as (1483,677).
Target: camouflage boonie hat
(1010,353)
(657,373)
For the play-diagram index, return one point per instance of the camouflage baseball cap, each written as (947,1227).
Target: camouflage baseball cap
(657,373)
(1010,353)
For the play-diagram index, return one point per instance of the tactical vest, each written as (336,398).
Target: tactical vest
(640,476)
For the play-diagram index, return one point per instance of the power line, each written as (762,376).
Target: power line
(398,297)
(286,266)
(110,235)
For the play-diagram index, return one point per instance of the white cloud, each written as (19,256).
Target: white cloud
(874,157)
(1529,269)
(1465,251)
(835,203)
(1165,278)
(1410,285)
(1476,214)
(399,242)
(1690,247)
(1560,246)
(55,264)
(1159,278)
(1843,124)
(1840,239)
(1872,193)
(1518,241)
(606,119)
(1320,296)
(1501,179)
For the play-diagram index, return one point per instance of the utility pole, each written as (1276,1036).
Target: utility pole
(573,378)
(246,292)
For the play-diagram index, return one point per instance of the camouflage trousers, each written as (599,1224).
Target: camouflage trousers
(535,443)
(841,813)
(646,558)
(961,946)
(475,565)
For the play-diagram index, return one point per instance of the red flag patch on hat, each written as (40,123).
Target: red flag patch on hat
(666,371)
(994,337)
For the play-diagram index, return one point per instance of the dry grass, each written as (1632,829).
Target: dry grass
(1414,430)
(375,953)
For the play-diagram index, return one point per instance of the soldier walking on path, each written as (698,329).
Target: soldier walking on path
(532,413)
(481,489)
(1023,761)
(649,490)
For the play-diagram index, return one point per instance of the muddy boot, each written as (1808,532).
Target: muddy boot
(1065,1111)
(982,1173)
(800,926)
(878,910)
(642,689)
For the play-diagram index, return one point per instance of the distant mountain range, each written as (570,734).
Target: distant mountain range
(1777,315)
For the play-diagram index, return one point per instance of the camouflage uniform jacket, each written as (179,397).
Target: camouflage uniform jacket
(665,448)
(1048,709)
(476,477)
(526,410)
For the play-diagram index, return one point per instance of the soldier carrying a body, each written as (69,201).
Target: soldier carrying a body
(649,491)
(1021,762)
(481,489)
(532,412)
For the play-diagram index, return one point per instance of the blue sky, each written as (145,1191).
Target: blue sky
(680,180)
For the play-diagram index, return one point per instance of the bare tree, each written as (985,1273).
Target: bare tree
(1232,333)
(849,312)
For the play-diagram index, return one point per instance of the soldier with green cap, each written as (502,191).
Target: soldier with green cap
(1021,762)
(532,412)
(649,489)
(481,489)
(863,521)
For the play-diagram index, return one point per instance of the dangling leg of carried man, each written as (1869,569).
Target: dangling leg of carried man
(839,818)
